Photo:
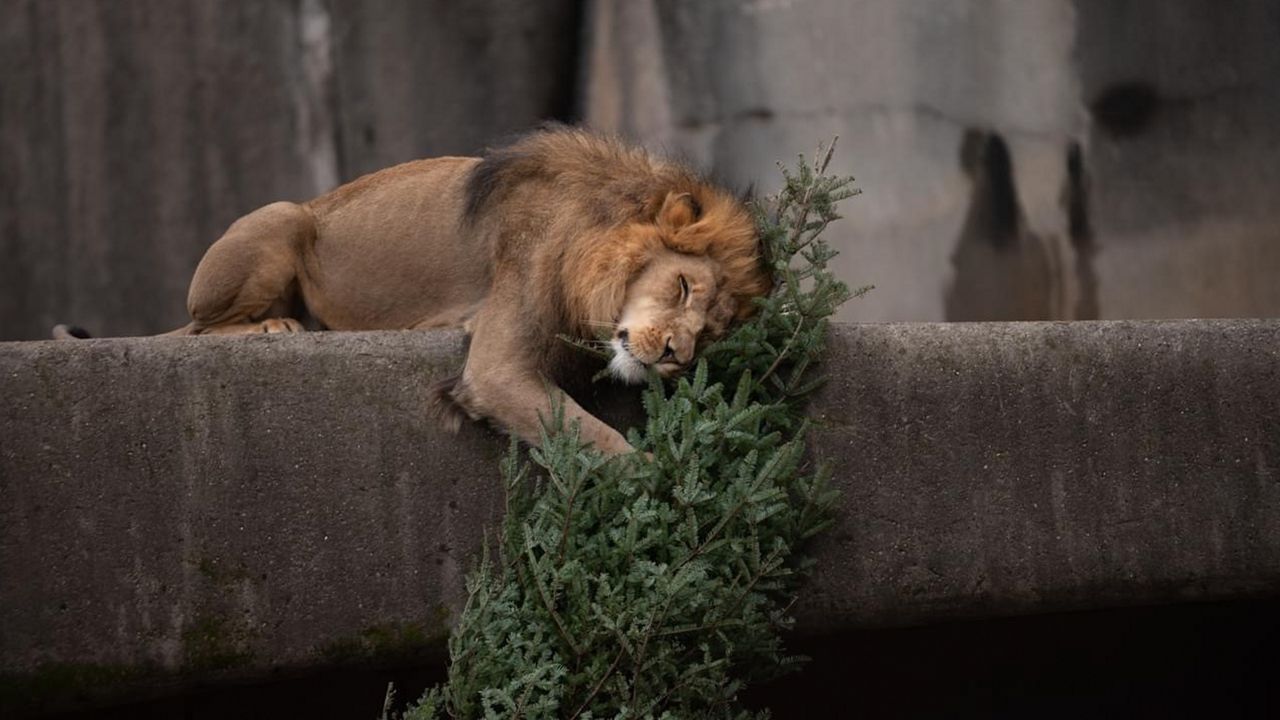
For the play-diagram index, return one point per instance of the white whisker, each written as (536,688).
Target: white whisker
(624,366)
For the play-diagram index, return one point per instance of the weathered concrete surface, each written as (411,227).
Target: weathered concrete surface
(917,91)
(1183,155)
(425,79)
(994,469)
(132,134)
(200,508)
(1021,159)
(193,506)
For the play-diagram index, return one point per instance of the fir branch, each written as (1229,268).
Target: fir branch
(786,349)
(595,690)
(547,605)
(806,201)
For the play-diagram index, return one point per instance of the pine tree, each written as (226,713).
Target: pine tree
(635,587)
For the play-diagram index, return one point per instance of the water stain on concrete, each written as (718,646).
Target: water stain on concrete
(1003,271)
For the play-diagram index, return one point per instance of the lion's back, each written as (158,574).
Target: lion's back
(392,250)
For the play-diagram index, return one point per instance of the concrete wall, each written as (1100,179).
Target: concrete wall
(1021,159)
(180,510)
(1183,154)
(132,134)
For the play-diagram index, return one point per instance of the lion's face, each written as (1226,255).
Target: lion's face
(673,304)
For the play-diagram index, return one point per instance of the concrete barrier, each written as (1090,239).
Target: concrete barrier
(178,510)
(126,156)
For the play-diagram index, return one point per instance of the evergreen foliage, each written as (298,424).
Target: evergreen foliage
(657,586)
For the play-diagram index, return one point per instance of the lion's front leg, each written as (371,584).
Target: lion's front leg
(501,381)
(523,404)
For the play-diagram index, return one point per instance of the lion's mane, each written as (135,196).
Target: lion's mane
(598,205)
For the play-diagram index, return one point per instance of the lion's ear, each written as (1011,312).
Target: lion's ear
(678,211)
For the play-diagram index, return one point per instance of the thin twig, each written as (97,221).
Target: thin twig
(564,530)
(387,701)
(519,709)
(546,603)
(658,619)
(830,152)
(599,684)
(715,531)
(786,349)
(806,202)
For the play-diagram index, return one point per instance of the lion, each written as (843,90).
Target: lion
(562,232)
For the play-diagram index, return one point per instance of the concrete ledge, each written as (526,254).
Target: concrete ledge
(175,510)
(1004,468)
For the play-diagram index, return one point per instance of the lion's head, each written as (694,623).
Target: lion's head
(674,279)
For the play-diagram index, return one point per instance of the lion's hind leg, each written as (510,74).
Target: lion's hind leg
(247,282)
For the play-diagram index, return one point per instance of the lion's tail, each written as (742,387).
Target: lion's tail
(70,332)
(75,332)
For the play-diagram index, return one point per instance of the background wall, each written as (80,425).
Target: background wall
(133,133)
(1021,159)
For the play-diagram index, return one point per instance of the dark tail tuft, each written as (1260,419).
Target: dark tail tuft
(70,332)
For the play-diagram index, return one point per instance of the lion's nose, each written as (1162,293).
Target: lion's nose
(668,353)
(622,335)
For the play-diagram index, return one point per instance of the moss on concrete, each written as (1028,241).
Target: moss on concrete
(212,642)
(220,572)
(389,642)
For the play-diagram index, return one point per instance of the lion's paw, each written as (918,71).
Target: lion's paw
(281,325)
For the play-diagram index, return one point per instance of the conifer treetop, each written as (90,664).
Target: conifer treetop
(657,585)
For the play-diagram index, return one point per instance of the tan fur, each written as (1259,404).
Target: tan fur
(560,232)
